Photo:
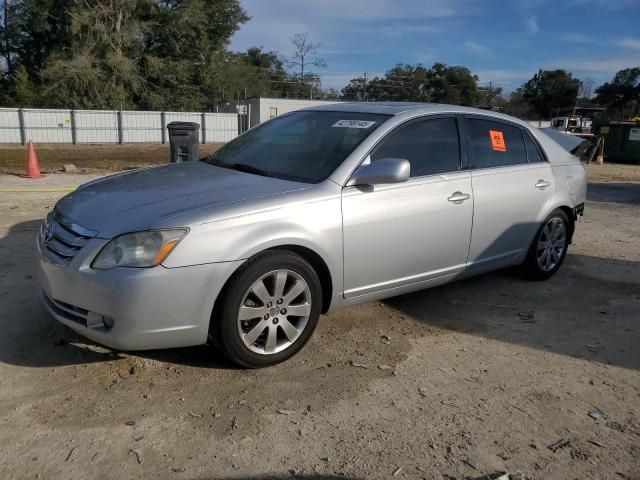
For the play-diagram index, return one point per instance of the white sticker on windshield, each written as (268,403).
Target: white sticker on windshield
(353,124)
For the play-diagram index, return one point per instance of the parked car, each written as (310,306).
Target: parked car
(308,213)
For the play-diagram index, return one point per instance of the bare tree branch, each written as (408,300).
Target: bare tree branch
(303,49)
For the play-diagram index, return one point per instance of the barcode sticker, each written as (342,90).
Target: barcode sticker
(353,124)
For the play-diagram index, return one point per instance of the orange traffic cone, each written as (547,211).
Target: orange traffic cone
(33,165)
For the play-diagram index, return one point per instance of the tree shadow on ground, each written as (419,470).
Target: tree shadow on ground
(588,310)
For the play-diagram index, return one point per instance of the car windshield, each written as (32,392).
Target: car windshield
(303,146)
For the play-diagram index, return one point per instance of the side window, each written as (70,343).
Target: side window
(533,154)
(494,144)
(431,146)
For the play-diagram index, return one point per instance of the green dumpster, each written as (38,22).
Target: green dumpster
(621,140)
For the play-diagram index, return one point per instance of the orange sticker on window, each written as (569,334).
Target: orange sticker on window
(497,141)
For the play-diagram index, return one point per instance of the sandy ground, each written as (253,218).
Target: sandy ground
(452,382)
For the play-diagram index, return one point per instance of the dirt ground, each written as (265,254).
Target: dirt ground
(450,382)
(90,158)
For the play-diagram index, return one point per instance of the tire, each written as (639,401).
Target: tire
(540,263)
(258,301)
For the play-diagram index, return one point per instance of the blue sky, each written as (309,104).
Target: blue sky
(501,41)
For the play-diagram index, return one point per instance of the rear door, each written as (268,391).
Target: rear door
(512,183)
(414,232)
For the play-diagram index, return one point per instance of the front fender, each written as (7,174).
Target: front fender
(315,225)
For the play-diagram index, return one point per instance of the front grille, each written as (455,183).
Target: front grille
(61,239)
(66,310)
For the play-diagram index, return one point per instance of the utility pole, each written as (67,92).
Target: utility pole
(364,87)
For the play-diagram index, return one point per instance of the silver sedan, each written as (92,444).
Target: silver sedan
(310,212)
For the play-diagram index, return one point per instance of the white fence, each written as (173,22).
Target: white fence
(108,126)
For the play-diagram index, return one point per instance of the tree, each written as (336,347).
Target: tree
(549,91)
(585,94)
(101,68)
(416,83)
(355,90)
(128,53)
(490,97)
(44,27)
(9,35)
(304,56)
(331,94)
(186,53)
(21,92)
(517,105)
(453,85)
(586,88)
(622,94)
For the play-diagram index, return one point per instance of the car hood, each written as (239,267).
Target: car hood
(148,198)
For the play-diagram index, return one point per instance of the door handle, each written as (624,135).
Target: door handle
(542,184)
(459,197)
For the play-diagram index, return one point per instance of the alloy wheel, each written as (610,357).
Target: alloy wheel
(274,312)
(551,244)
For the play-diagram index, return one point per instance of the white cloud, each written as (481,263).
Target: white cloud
(425,56)
(477,48)
(398,30)
(629,42)
(532,24)
(326,21)
(504,76)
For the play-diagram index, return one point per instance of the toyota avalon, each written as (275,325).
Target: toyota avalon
(310,212)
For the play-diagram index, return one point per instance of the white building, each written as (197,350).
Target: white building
(262,109)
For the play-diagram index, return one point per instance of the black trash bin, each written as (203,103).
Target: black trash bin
(183,141)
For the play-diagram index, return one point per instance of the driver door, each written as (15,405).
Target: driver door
(408,235)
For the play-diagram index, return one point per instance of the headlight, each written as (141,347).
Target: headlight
(140,249)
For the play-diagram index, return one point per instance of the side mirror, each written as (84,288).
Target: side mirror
(384,170)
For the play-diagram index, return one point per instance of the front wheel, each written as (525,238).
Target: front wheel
(549,247)
(268,310)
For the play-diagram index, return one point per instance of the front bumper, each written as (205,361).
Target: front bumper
(151,308)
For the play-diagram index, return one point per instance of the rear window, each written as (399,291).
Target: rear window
(494,144)
(533,154)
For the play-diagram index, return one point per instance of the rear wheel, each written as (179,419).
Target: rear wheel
(549,247)
(268,310)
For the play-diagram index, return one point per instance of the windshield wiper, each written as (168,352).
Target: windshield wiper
(243,167)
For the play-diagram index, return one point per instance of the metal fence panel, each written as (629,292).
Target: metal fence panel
(142,127)
(220,127)
(48,126)
(9,126)
(96,126)
(108,126)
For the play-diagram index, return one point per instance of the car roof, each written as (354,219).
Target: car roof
(397,108)
(411,109)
